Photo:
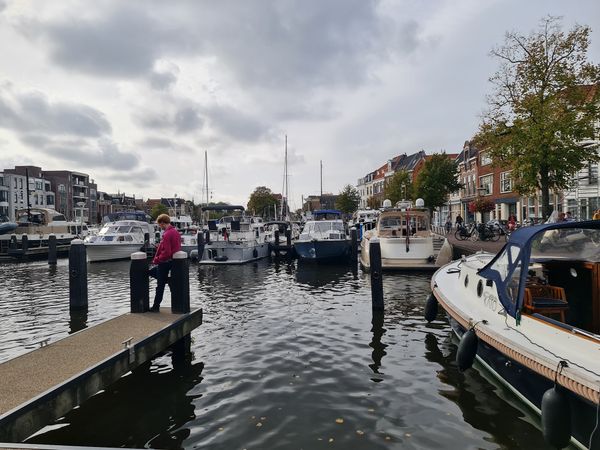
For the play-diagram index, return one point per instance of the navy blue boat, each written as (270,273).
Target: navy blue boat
(324,239)
(531,316)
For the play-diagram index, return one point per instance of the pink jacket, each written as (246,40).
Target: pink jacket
(170,243)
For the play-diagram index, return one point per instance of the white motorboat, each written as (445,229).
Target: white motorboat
(28,236)
(324,239)
(234,239)
(531,316)
(405,239)
(189,239)
(181,222)
(118,240)
(364,220)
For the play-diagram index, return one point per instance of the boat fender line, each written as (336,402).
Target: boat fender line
(556,414)
(255,253)
(467,349)
(431,308)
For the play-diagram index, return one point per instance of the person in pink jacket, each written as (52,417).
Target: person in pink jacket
(169,244)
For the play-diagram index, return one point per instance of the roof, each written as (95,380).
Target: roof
(223,208)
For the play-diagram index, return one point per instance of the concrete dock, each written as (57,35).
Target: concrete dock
(40,386)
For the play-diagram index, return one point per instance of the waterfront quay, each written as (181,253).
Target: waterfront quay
(289,355)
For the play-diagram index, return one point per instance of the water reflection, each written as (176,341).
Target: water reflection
(77,320)
(376,344)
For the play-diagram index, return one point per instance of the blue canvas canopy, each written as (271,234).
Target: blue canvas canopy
(506,268)
(326,211)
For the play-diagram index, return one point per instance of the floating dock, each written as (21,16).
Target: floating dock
(41,386)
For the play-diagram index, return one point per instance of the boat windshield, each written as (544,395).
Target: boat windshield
(580,244)
(322,227)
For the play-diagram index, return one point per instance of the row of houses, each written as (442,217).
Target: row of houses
(73,194)
(481,179)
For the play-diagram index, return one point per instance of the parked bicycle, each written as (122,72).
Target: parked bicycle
(486,233)
(463,233)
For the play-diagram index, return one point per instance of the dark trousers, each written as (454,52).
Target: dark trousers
(161,273)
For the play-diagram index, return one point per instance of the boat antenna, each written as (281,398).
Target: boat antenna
(284,195)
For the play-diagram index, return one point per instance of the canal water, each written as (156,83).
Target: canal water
(289,356)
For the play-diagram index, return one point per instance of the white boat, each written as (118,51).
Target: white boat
(189,239)
(234,239)
(405,239)
(364,220)
(531,316)
(181,222)
(36,225)
(118,240)
(324,239)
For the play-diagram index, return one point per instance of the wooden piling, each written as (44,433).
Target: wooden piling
(52,249)
(201,244)
(24,243)
(78,289)
(376,275)
(139,283)
(276,233)
(180,284)
(354,245)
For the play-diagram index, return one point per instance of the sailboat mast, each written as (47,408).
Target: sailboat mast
(321,179)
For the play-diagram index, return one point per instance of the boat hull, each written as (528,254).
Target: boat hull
(98,252)
(233,253)
(420,254)
(330,250)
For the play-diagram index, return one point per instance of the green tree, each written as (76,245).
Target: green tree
(348,200)
(261,201)
(436,180)
(373,203)
(540,115)
(158,209)
(399,187)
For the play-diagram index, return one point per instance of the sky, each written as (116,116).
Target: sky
(135,92)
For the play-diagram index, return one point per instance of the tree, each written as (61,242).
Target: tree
(262,200)
(373,203)
(158,209)
(399,187)
(437,180)
(539,116)
(481,205)
(348,200)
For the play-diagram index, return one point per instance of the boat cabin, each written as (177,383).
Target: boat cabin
(552,273)
(399,223)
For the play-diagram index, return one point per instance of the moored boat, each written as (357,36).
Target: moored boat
(324,239)
(531,316)
(118,240)
(405,239)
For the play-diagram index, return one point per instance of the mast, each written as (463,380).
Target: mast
(284,195)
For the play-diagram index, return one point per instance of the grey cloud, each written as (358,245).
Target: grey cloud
(161,143)
(2,5)
(105,154)
(24,112)
(162,81)
(184,119)
(274,45)
(235,123)
(187,120)
(142,177)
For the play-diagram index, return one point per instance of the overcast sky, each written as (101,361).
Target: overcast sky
(134,92)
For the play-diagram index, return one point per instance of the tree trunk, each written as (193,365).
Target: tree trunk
(545,188)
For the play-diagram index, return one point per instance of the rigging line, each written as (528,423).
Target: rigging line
(549,351)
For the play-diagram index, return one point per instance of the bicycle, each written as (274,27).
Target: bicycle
(463,233)
(486,233)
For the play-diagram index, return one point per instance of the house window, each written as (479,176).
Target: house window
(531,207)
(486,184)
(61,188)
(505,182)
(485,159)
(592,170)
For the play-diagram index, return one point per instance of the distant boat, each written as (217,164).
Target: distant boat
(531,316)
(118,240)
(324,239)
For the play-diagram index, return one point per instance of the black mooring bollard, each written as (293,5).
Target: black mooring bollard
(354,245)
(180,284)
(276,233)
(52,250)
(24,243)
(376,277)
(181,352)
(200,239)
(78,289)
(146,242)
(13,241)
(139,283)
(288,238)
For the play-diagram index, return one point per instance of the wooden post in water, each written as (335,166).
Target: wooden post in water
(24,243)
(200,241)
(288,239)
(353,245)
(181,352)
(276,242)
(52,250)
(146,242)
(13,241)
(139,283)
(180,284)
(78,289)
(376,276)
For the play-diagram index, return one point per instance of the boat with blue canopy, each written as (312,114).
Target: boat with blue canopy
(530,315)
(324,239)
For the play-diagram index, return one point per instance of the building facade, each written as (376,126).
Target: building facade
(19,194)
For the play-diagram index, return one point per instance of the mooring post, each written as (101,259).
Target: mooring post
(13,241)
(288,238)
(354,245)
(200,239)
(180,283)
(181,352)
(139,283)
(52,251)
(78,289)
(146,242)
(276,242)
(376,278)
(24,243)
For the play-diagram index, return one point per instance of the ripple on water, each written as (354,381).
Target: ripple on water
(289,356)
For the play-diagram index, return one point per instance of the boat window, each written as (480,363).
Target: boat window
(123,229)
(571,243)
(108,238)
(129,238)
(59,218)
(136,230)
(509,271)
